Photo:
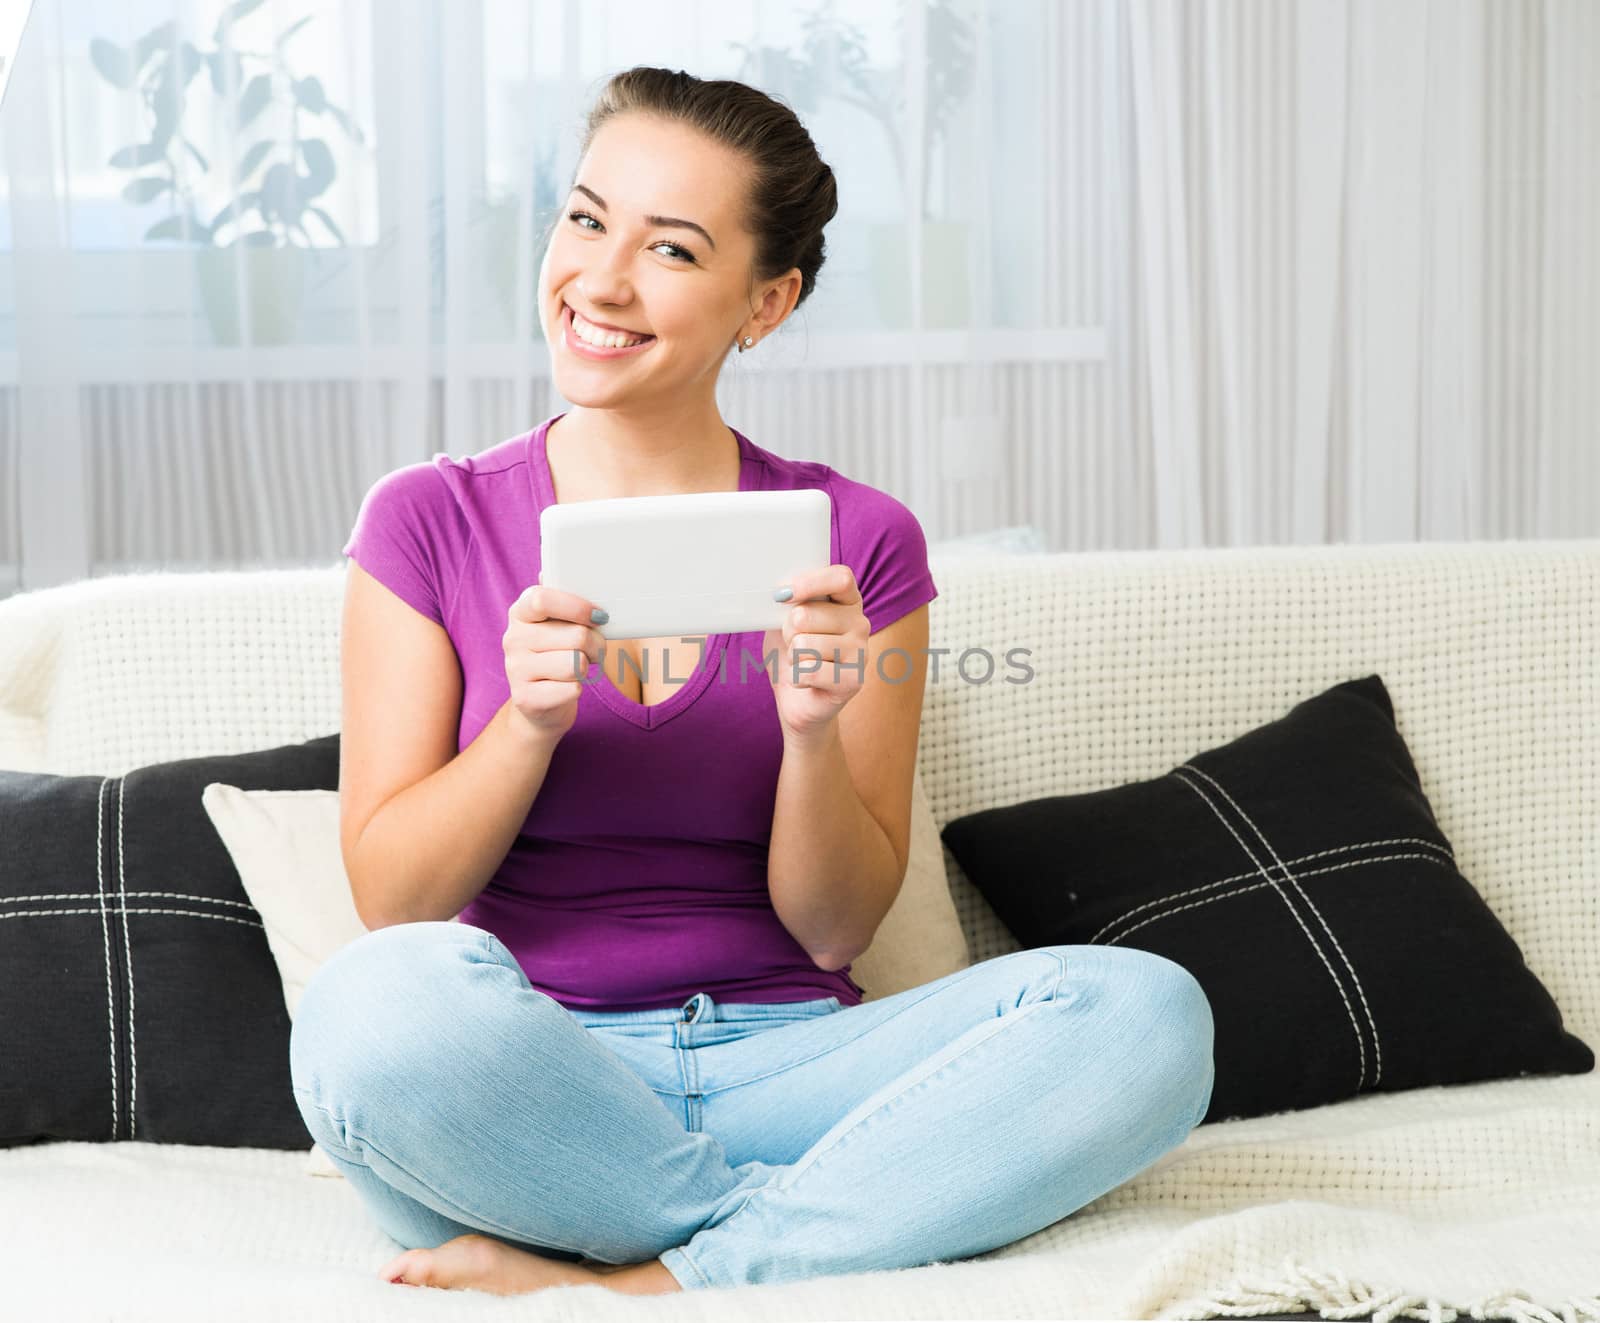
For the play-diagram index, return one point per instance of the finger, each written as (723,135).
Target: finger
(832,648)
(814,653)
(564,664)
(539,602)
(830,624)
(823,617)
(835,583)
(554,635)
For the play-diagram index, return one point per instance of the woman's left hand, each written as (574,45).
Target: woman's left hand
(825,626)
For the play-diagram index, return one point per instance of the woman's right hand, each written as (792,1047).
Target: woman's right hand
(547,633)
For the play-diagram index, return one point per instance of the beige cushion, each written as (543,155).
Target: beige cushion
(285,845)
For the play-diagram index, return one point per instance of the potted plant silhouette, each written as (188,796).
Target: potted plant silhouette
(835,65)
(260,237)
(495,219)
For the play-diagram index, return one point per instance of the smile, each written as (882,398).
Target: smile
(608,344)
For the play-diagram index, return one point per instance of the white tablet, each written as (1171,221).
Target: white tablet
(695,564)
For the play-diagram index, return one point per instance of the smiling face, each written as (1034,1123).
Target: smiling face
(683,278)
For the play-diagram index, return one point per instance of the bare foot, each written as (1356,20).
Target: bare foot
(483,1263)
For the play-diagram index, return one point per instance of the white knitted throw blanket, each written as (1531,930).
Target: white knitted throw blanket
(1475,1201)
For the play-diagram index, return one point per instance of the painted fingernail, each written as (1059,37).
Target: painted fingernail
(783,595)
(599,616)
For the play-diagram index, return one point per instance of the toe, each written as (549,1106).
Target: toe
(407,1269)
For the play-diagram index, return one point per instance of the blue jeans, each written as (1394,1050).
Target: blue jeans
(743,1142)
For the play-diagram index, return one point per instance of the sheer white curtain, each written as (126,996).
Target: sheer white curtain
(1368,287)
(1133,272)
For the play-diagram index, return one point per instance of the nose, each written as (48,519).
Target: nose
(604,282)
(602,295)
(603,278)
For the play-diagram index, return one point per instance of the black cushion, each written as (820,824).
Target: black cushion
(1299,874)
(138,996)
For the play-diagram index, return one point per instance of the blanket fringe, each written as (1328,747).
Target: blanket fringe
(1334,1296)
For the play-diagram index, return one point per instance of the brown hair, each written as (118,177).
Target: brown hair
(792,194)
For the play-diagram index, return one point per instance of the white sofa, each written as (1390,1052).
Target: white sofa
(1480,1198)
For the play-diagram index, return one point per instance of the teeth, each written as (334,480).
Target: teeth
(592,335)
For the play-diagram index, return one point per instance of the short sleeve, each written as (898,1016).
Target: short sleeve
(883,543)
(411,536)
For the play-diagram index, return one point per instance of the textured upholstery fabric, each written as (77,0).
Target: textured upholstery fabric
(1480,1198)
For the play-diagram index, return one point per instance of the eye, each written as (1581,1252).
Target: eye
(686,255)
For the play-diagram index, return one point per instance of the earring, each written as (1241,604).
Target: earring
(747,343)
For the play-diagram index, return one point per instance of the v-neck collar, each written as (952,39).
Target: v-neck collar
(647,716)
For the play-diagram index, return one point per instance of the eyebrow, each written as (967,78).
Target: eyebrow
(654,220)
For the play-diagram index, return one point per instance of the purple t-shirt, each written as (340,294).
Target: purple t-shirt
(639,877)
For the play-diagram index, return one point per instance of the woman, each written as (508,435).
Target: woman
(638,1059)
